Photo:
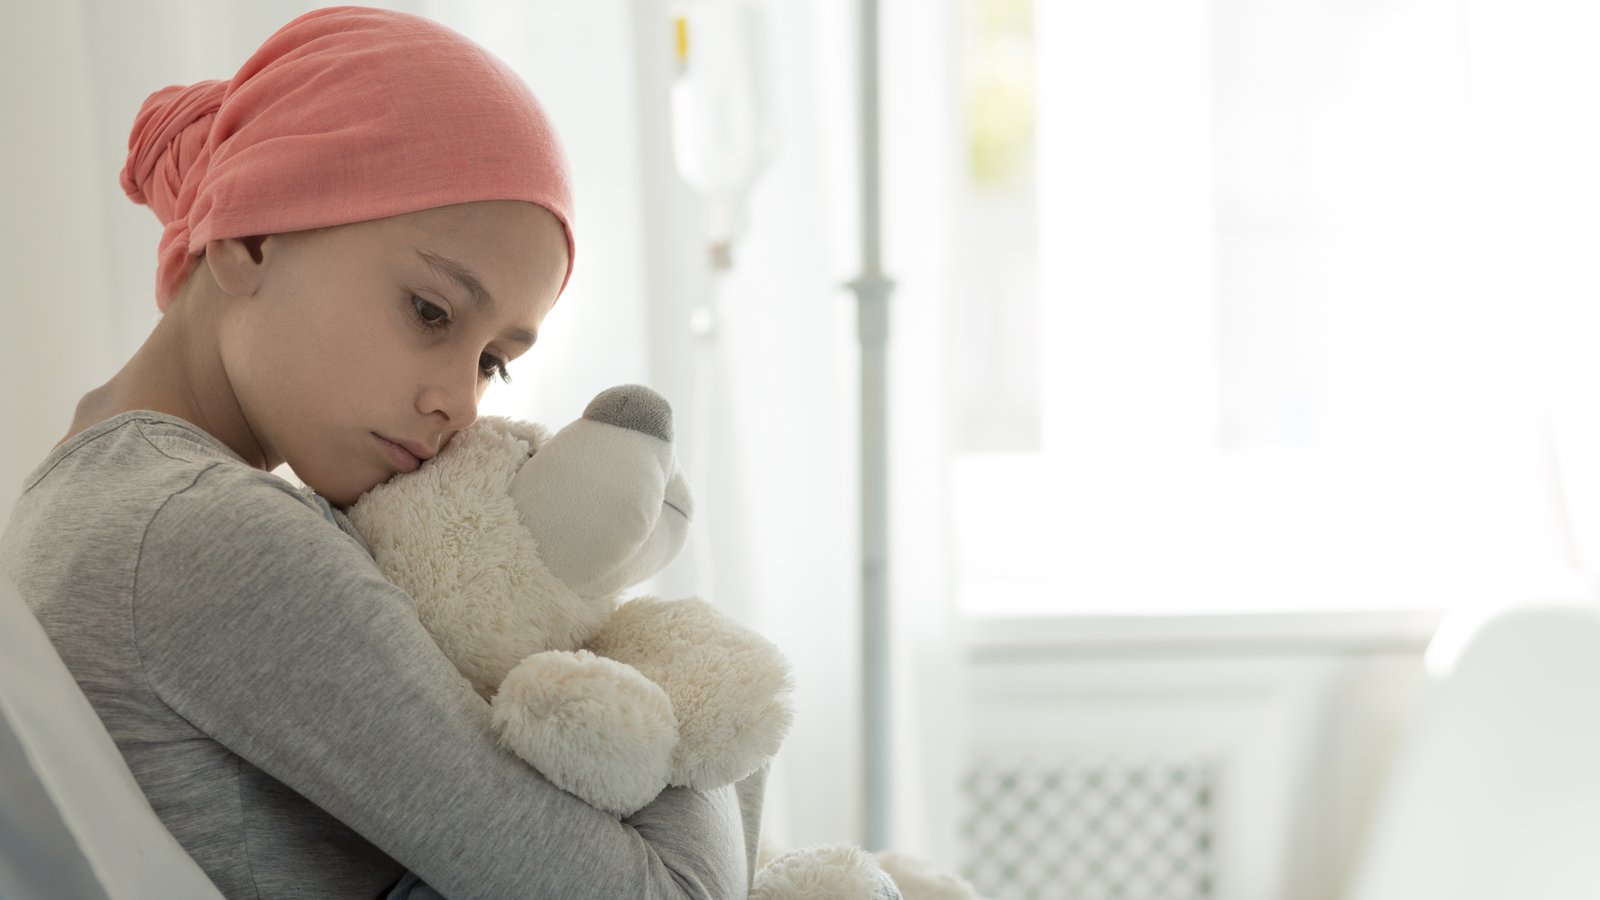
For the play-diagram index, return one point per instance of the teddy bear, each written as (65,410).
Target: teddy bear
(516,546)
(847,872)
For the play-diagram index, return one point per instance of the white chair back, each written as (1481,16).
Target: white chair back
(73,822)
(1495,793)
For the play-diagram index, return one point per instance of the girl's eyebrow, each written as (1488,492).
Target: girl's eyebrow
(469,282)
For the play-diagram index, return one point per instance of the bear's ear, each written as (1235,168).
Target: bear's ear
(633,407)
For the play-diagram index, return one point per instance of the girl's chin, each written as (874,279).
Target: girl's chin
(343,495)
(341,482)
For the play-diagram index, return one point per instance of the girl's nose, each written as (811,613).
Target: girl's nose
(454,398)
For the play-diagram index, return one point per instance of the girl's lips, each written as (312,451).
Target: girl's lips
(403,459)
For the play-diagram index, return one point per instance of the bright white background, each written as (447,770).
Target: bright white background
(1316,322)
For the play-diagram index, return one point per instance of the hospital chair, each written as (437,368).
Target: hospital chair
(73,823)
(1495,793)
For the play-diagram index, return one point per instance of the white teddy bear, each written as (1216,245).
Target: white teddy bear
(516,546)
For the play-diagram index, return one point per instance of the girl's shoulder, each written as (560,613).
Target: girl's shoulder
(129,445)
(122,478)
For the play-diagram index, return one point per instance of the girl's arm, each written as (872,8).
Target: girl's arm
(273,633)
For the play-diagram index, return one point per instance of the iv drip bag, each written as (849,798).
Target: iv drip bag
(722,132)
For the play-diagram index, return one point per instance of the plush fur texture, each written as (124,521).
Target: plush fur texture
(590,724)
(834,871)
(450,536)
(731,688)
(919,880)
(915,878)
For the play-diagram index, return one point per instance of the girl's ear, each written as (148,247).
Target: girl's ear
(238,265)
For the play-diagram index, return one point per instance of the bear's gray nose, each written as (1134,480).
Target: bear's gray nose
(635,407)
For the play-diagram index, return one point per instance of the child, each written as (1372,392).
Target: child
(363,226)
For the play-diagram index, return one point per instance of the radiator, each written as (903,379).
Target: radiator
(1033,829)
(1227,758)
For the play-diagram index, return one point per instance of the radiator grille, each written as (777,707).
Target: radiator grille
(1123,830)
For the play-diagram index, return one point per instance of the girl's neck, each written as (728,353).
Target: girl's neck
(177,371)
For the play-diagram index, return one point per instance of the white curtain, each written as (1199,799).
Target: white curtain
(1535,84)
(922,157)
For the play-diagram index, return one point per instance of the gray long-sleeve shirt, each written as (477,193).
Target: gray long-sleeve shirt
(289,719)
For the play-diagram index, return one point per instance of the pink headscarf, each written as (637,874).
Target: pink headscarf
(344,115)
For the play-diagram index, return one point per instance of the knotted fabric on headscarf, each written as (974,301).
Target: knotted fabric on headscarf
(344,115)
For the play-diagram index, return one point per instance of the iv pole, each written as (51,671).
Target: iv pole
(872,291)
(722,170)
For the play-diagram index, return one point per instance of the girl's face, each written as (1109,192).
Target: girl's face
(364,348)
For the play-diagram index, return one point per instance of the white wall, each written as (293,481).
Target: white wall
(58,332)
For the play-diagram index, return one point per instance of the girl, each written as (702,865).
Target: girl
(363,227)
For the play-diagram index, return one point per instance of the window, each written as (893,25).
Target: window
(1225,335)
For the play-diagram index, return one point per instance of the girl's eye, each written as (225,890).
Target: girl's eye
(433,316)
(429,314)
(491,366)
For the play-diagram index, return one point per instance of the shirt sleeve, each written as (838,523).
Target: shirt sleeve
(272,631)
